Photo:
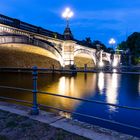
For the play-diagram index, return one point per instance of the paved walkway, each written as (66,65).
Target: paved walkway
(17,123)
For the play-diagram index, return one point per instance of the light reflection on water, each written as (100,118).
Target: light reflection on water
(101,81)
(83,85)
(110,88)
(139,87)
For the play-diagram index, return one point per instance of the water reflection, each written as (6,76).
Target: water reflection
(139,86)
(66,85)
(101,82)
(62,85)
(114,70)
(112,90)
(80,86)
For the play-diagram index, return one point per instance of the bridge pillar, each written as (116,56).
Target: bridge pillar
(68,53)
(116,60)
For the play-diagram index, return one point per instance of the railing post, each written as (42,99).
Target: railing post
(35,109)
(85,68)
(52,68)
(17,23)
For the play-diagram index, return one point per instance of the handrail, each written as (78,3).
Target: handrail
(35,109)
(91,101)
(73,98)
(74,113)
(16,100)
(28,27)
(16,88)
(93,117)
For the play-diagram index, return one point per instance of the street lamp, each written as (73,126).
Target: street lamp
(112,41)
(101,64)
(67,14)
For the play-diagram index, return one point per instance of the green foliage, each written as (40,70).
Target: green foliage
(133,44)
(88,40)
(3,137)
(122,46)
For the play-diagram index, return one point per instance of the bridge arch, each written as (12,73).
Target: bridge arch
(34,42)
(106,58)
(85,53)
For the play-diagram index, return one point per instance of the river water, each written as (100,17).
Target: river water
(119,89)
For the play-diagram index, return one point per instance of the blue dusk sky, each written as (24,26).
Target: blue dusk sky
(98,19)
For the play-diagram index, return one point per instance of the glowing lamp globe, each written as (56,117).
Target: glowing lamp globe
(67,13)
(112,41)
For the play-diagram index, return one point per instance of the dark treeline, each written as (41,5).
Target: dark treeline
(131,47)
(95,44)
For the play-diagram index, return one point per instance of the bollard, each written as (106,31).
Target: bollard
(52,68)
(85,68)
(35,109)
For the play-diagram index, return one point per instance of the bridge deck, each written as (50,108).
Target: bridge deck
(28,27)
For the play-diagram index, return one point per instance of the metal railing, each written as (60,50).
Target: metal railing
(35,104)
(28,27)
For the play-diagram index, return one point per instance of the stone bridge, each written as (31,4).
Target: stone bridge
(62,48)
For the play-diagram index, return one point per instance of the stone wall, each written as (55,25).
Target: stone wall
(81,60)
(15,56)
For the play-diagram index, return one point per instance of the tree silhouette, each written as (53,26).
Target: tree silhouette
(132,47)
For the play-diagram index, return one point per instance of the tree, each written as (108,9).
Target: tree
(122,46)
(96,44)
(88,40)
(133,45)
(110,50)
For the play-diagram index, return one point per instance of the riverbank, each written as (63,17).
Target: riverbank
(65,71)
(17,123)
(15,126)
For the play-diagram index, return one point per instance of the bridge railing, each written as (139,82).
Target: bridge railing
(32,41)
(6,20)
(28,27)
(36,105)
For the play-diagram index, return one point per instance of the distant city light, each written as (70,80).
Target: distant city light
(101,64)
(115,63)
(67,13)
(114,70)
(101,82)
(112,41)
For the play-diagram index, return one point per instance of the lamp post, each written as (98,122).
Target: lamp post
(68,47)
(112,42)
(67,14)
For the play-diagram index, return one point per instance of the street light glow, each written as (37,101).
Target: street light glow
(112,41)
(67,13)
(101,64)
(115,63)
